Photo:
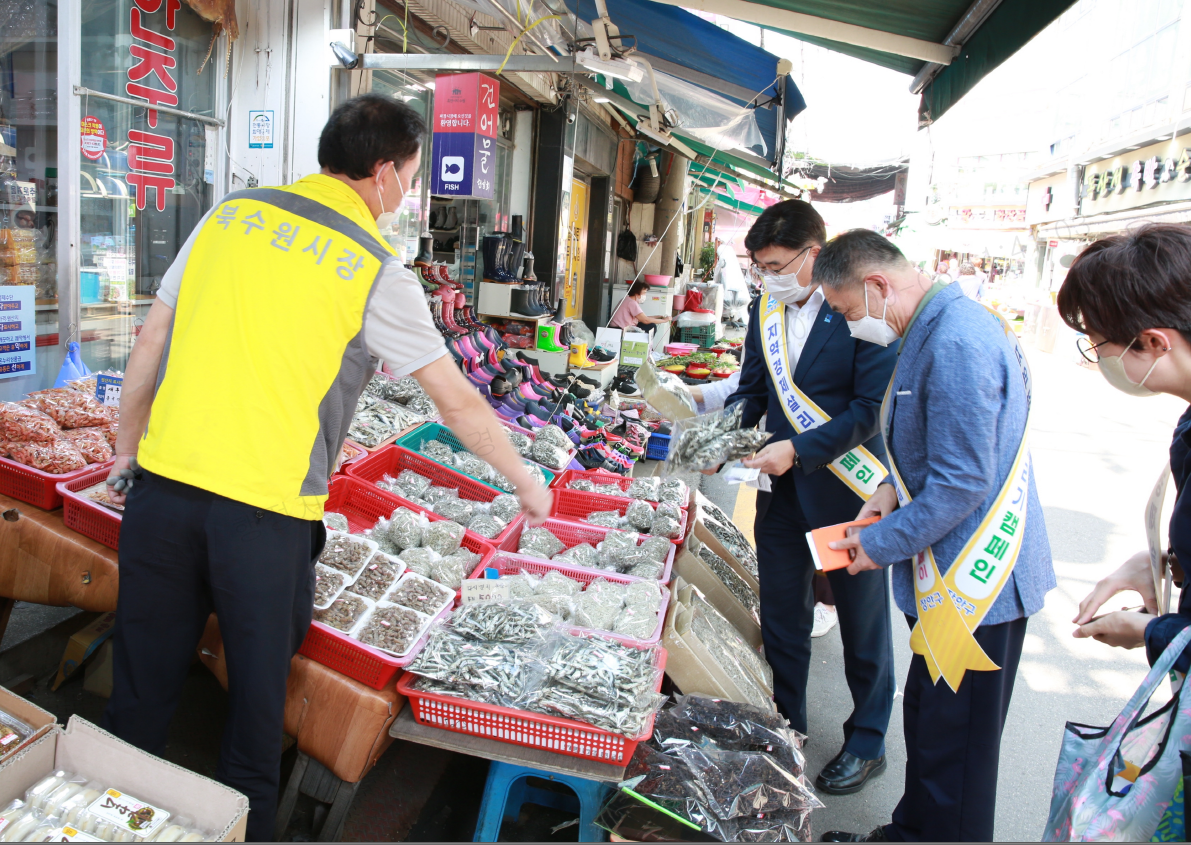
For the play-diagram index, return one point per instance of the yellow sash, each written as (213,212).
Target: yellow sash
(943,635)
(859,468)
(1158,567)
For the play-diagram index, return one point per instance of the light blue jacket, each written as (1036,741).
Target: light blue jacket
(959,409)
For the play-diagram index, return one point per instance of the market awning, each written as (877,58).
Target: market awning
(685,45)
(949,44)
(850,184)
(731,202)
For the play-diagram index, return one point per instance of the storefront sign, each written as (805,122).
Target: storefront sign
(93,138)
(988,217)
(18,340)
(465,126)
(260,130)
(1155,173)
(151,78)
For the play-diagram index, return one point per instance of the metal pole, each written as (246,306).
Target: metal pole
(129,101)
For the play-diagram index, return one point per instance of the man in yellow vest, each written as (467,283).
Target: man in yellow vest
(237,398)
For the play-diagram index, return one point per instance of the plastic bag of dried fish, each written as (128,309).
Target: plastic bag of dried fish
(378,576)
(616,547)
(406,389)
(450,571)
(535,474)
(455,509)
(553,435)
(636,624)
(706,441)
(646,568)
(382,387)
(608,519)
(582,554)
(548,454)
(420,560)
(403,530)
(504,668)
(507,622)
(674,491)
(436,450)
(437,494)
(646,487)
(393,629)
(523,443)
(423,406)
(421,594)
(413,483)
(539,542)
(640,514)
(584,484)
(336,522)
(594,609)
(732,580)
(665,526)
(469,464)
(609,490)
(443,536)
(506,506)
(522,585)
(557,593)
(486,525)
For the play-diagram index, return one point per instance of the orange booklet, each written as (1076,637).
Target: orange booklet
(827,558)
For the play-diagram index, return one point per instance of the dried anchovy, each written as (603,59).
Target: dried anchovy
(535,473)
(443,536)
(343,613)
(336,522)
(345,554)
(436,450)
(550,455)
(413,483)
(745,653)
(735,543)
(665,526)
(539,542)
(584,484)
(486,525)
(647,488)
(456,510)
(327,584)
(609,490)
(437,494)
(640,514)
(617,547)
(422,595)
(403,529)
(669,509)
(380,421)
(634,624)
(483,696)
(608,519)
(656,548)
(505,622)
(710,440)
(555,436)
(583,554)
(603,669)
(595,610)
(727,659)
(647,569)
(376,578)
(521,442)
(406,389)
(674,491)
(450,571)
(506,506)
(420,561)
(732,580)
(469,464)
(423,406)
(393,629)
(626,718)
(453,659)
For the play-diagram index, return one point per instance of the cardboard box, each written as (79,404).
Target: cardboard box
(691,568)
(98,677)
(634,347)
(42,721)
(700,529)
(86,750)
(692,665)
(83,644)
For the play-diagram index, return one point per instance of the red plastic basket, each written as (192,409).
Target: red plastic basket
(393,459)
(577,504)
(572,534)
(370,666)
(85,516)
(507,564)
(597,476)
(38,488)
(520,727)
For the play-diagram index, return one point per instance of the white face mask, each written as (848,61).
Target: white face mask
(785,288)
(385,219)
(1113,369)
(873,329)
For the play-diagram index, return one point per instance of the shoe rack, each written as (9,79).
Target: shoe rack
(454,225)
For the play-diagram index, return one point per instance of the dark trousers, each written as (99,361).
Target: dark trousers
(185,552)
(953,744)
(788,615)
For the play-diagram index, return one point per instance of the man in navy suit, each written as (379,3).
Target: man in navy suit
(820,391)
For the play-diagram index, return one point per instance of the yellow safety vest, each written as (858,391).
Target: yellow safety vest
(266,355)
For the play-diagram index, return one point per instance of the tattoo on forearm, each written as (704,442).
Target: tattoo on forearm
(479,443)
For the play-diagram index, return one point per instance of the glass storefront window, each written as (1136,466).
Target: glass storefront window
(411,219)
(146,190)
(29,174)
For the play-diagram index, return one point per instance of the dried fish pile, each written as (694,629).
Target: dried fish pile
(376,420)
(346,553)
(706,441)
(344,612)
(421,594)
(328,584)
(393,629)
(433,550)
(378,576)
(403,391)
(732,580)
(625,552)
(732,538)
(476,467)
(488,519)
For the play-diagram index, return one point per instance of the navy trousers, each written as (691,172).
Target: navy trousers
(788,614)
(185,552)
(953,744)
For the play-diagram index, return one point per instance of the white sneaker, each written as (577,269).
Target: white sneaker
(825,619)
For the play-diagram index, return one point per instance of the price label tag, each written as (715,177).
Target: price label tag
(128,814)
(485,589)
(107,389)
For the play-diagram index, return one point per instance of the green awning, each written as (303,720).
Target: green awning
(999,36)
(733,203)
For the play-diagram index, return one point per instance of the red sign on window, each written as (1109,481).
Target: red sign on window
(93,138)
(151,78)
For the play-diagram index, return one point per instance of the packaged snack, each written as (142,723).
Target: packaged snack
(71,409)
(57,457)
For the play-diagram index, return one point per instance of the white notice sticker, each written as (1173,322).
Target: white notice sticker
(485,589)
(127,813)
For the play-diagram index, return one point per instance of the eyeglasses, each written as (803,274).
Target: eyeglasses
(1088,349)
(765,272)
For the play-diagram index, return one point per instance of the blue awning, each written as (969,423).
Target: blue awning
(681,38)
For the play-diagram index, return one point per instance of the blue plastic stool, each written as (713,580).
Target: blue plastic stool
(507,790)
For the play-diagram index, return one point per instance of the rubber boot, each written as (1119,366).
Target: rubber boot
(527,274)
(520,303)
(490,247)
(425,256)
(579,356)
(547,338)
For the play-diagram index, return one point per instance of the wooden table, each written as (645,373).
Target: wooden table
(406,727)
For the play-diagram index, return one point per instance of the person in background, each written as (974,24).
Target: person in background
(797,351)
(728,275)
(1131,295)
(629,314)
(291,295)
(968,281)
(954,420)
(943,273)
(711,397)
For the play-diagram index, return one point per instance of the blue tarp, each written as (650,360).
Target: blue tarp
(678,36)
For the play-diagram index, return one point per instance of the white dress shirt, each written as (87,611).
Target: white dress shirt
(800,319)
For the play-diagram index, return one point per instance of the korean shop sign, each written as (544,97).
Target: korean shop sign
(152,77)
(464,146)
(1157,173)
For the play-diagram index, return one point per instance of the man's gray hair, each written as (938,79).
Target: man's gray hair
(849,256)
(967,269)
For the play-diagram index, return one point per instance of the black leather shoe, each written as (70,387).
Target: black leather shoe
(877,835)
(847,773)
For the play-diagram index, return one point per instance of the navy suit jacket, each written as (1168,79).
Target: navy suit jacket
(843,376)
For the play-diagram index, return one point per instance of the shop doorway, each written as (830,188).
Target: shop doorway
(576,250)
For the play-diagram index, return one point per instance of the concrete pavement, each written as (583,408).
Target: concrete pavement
(1097,454)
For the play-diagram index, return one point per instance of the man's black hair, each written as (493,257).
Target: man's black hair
(793,224)
(368,130)
(848,257)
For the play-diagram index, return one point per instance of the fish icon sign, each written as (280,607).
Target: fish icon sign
(452,168)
